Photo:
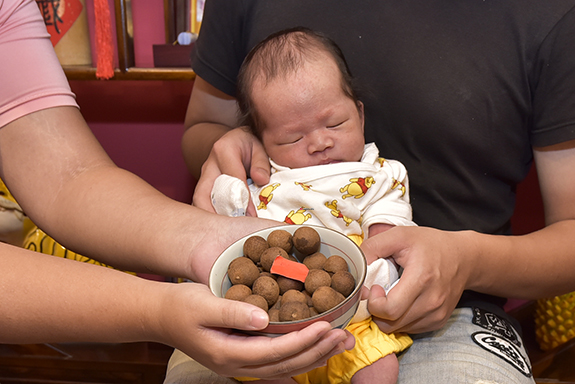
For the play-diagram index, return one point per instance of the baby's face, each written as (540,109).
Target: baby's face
(307,119)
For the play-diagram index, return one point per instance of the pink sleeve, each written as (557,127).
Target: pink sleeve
(31,77)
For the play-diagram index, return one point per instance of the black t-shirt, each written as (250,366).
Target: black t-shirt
(458,91)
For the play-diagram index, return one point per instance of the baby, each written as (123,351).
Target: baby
(295,93)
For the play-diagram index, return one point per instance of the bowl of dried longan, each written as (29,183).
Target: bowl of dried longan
(299,274)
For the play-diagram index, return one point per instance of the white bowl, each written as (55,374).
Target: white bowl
(332,243)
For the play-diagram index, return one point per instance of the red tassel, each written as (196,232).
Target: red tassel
(104,45)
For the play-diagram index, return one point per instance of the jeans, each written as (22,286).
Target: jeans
(487,350)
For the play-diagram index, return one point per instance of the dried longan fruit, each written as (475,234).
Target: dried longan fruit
(325,298)
(254,246)
(264,273)
(274,315)
(308,296)
(315,261)
(335,263)
(281,238)
(293,310)
(293,295)
(277,304)
(269,255)
(312,311)
(268,288)
(243,271)
(343,282)
(306,240)
(238,292)
(286,284)
(316,278)
(257,300)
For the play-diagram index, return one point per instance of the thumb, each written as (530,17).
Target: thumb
(376,301)
(260,175)
(235,314)
(382,245)
(260,165)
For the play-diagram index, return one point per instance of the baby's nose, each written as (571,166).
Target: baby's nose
(320,141)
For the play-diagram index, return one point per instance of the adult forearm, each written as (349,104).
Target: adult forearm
(45,298)
(72,190)
(531,266)
(115,217)
(132,226)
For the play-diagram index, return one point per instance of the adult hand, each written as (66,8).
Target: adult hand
(202,326)
(238,153)
(435,274)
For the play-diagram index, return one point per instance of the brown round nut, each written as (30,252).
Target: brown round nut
(335,263)
(281,238)
(269,255)
(264,273)
(243,271)
(257,300)
(313,312)
(286,284)
(254,246)
(325,298)
(277,304)
(268,288)
(343,282)
(316,278)
(306,240)
(293,295)
(293,310)
(308,296)
(274,315)
(238,292)
(315,261)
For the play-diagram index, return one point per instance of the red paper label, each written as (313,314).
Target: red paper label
(59,16)
(290,269)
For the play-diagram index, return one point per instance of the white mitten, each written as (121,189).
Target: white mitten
(230,196)
(381,272)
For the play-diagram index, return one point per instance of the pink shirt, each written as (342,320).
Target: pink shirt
(31,77)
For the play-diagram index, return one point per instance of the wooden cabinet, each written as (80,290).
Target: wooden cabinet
(126,62)
(142,363)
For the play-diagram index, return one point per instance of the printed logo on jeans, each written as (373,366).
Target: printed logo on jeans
(496,324)
(502,348)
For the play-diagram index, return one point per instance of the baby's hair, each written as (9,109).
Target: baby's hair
(282,54)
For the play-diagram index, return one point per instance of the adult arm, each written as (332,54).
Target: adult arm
(439,265)
(53,151)
(212,145)
(66,183)
(51,299)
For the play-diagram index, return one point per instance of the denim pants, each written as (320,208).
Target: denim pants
(476,346)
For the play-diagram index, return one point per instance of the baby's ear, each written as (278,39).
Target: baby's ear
(361,112)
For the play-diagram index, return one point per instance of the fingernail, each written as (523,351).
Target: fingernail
(259,320)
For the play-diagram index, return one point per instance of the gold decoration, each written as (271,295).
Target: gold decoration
(554,321)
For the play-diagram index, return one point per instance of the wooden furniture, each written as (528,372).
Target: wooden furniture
(125,43)
(141,363)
